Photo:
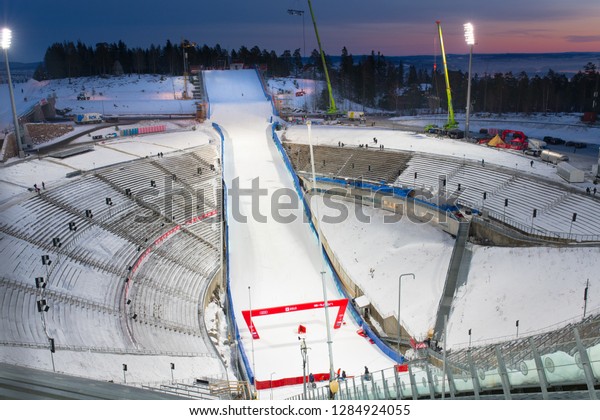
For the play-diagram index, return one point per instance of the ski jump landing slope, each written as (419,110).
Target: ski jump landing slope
(273,262)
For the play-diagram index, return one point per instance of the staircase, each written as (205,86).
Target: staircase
(452,277)
(199,95)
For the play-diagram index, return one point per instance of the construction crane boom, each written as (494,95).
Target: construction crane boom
(451,121)
(332,109)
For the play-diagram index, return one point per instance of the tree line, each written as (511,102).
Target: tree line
(371,80)
(377,82)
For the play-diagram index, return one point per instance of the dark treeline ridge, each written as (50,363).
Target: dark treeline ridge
(371,80)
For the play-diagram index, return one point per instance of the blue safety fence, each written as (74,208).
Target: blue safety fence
(242,351)
(376,188)
(387,350)
(388,189)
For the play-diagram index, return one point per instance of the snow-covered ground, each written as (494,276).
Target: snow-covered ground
(566,126)
(376,253)
(540,287)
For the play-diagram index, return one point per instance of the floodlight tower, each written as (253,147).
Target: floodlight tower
(5,40)
(470,38)
(294,12)
(184,45)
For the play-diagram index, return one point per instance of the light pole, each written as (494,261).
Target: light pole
(470,38)
(399,300)
(252,339)
(271,384)
(294,12)
(303,352)
(318,227)
(5,38)
(573,219)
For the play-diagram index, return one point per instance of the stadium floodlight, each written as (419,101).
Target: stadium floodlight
(469,33)
(5,41)
(470,38)
(293,12)
(5,38)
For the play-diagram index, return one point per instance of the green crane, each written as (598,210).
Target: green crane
(451,121)
(332,109)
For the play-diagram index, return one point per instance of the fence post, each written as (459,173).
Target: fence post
(474,377)
(413,383)
(397,382)
(585,361)
(503,374)
(540,369)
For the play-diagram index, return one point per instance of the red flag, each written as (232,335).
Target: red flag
(301,329)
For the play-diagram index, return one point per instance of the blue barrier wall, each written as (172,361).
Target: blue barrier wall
(242,351)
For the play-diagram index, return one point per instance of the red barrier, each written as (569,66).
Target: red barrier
(342,303)
(161,239)
(296,380)
(401,368)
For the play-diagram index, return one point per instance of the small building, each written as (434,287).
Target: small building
(569,173)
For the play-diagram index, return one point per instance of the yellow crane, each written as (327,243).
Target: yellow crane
(451,121)
(332,109)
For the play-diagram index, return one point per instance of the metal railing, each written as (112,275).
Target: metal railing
(530,230)
(535,366)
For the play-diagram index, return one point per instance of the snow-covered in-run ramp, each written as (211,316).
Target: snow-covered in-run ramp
(275,262)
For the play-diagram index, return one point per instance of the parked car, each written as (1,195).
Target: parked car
(456,133)
(110,135)
(553,140)
(576,144)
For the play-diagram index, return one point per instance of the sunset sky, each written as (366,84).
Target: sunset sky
(393,27)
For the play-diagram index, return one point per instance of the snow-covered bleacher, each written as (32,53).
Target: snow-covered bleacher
(349,162)
(554,204)
(118,261)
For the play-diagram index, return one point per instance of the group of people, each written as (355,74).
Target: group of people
(37,189)
(366,146)
(589,191)
(340,375)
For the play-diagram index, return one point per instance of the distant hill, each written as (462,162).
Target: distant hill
(532,64)
(20,72)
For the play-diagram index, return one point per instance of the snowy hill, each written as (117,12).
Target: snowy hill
(115,95)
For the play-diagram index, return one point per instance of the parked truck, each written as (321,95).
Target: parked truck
(356,115)
(88,118)
(535,147)
(553,157)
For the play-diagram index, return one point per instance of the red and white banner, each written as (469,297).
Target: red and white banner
(341,303)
